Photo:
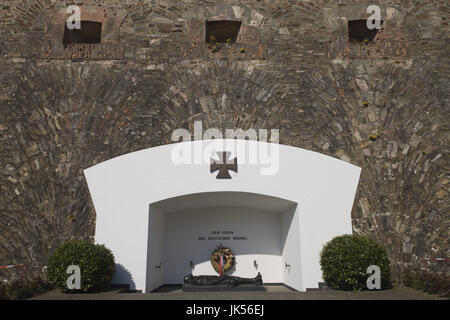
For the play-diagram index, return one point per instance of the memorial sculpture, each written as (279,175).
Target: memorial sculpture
(223,280)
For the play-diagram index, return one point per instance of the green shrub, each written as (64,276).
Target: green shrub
(435,283)
(345,259)
(3,291)
(96,264)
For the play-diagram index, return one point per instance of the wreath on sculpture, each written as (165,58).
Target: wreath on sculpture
(222,259)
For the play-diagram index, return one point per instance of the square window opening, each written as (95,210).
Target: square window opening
(223,31)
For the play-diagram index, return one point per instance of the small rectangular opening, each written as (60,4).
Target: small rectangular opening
(222,31)
(359,32)
(90,32)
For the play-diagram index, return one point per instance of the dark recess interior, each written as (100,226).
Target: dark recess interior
(90,32)
(358,31)
(223,30)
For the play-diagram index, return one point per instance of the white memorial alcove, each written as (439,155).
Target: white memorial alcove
(261,229)
(151,211)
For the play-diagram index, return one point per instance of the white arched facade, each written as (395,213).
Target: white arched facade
(156,214)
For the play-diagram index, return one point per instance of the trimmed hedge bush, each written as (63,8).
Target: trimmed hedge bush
(427,281)
(96,264)
(345,259)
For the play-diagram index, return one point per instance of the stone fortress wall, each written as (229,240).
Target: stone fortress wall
(66,108)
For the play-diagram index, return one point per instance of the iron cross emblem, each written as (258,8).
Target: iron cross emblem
(224,165)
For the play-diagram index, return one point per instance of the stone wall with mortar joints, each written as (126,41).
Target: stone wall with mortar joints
(60,115)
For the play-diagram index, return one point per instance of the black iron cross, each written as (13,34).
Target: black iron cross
(224,164)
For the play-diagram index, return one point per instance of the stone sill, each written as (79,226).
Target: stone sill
(94,51)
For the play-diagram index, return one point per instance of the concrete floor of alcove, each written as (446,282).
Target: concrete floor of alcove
(398,292)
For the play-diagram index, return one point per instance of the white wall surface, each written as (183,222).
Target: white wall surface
(123,188)
(155,254)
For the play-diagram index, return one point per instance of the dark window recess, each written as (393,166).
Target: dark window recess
(358,31)
(222,30)
(90,32)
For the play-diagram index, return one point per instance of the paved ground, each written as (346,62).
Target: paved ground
(273,293)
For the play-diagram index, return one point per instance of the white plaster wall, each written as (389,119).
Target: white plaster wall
(122,189)
(155,254)
(263,244)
